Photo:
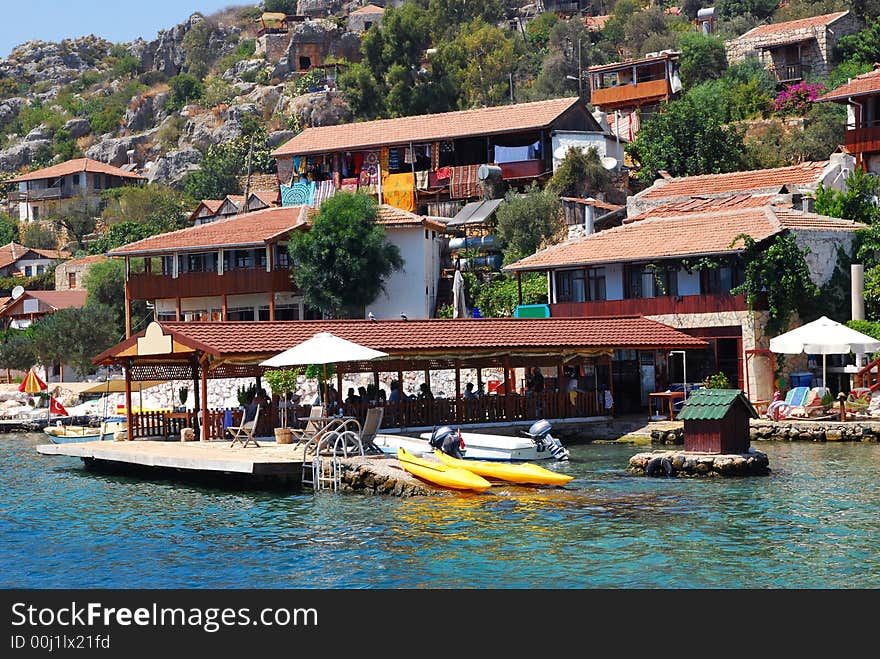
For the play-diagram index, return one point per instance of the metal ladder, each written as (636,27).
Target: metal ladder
(323,471)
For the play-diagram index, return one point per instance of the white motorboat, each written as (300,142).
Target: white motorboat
(537,445)
(61,434)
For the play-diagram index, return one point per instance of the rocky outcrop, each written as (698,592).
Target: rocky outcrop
(54,64)
(114,150)
(10,108)
(145,112)
(242,69)
(20,155)
(173,167)
(381,475)
(320,109)
(78,127)
(690,464)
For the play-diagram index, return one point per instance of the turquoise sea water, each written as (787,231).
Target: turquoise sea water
(814,523)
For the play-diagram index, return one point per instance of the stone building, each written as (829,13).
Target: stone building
(795,50)
(70,275)
(361,20)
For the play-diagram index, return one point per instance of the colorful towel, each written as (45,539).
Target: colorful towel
(435,156)
(422,180)
(298,194)
(349,185)
(323,191)
(393,160)
(383,158)
(463,182)
(398,191)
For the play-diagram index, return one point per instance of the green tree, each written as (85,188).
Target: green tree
(497,295)
(525,221)
(73,336)
(488,58)
(223,164)
(559,70)
(580,174)
(78,220)
(39,235)
(702,58)
(17,350)
(8,229)
(855,203)
(281,6)
(685,140)
(121,234)
(341,264)
(197,46)
(185,88)
(864,46)
(105,287)
(364,94)
(779,274)
(162,207)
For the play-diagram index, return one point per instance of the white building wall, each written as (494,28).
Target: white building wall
(606,145)
(413,289)
(823,246)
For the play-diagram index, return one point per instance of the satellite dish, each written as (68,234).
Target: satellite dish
(17,292)
(609,162)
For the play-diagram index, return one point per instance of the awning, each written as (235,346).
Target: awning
(784,42)
(118,385)
(475,212)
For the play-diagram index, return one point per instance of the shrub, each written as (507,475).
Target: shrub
(185,87)
(797,99)
(717,381)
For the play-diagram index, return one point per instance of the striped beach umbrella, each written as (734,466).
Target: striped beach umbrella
(32,384)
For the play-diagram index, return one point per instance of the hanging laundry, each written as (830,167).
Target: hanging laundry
(463,182)
(393,160)
(383,158)
(422,180)
(349,185)
(444,173)
(301,193)
(408,155)
(323,191)
(398,191)
(435,156)
(358,161)
(285,170)
(513,154)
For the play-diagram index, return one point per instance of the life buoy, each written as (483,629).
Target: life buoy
(659,466)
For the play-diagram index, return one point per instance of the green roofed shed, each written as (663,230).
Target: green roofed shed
(717,421)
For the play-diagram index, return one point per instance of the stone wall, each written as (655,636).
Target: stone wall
(272,46)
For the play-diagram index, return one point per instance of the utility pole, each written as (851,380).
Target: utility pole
(247,183)
(580,74)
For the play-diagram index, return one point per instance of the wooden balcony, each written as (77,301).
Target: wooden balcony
(865,139)
(630,95)
(198,284)
(789,72)
(41,194)
(654,306)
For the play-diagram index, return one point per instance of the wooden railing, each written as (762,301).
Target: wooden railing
(626,94)
(868,376)
(37,194)
(862,139)
(652,306)
(788,72)
(404,414)
(148,286)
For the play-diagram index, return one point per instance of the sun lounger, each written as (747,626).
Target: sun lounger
(795,398)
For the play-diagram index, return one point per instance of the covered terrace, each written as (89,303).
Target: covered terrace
(199,351)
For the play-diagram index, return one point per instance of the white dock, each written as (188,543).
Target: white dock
(269,459)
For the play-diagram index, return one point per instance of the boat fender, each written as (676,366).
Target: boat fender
(659,466)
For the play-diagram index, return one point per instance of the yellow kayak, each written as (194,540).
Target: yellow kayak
(521,472)
(441,474)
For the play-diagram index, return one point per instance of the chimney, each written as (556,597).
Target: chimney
(807,203)
(589,218)
(664,174)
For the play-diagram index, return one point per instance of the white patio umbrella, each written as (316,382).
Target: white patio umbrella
(823,337)
(323,348)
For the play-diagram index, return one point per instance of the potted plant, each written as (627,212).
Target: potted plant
(182,395)
(283,381)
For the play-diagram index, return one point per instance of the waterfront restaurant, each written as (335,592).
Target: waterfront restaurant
(199,351)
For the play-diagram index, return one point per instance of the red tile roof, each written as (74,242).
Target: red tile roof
(800,24)
(596,23)
(437,337)
(391,217)
(54,299)
(427,127)
(593,202)
(703,205)
(367,9)
(73,167)
(732,182)
(12,252)
(250,229)
(662,57)
(867,83)
(678,236)
(94,258)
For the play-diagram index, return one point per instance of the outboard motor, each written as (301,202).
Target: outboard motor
(540,434)
(447,440)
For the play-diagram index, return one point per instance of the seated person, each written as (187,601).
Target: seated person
(425,392)
(351,398)
(469,392)
(394,396)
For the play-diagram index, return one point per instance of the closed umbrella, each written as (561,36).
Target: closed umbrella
(824,337)
(323,348)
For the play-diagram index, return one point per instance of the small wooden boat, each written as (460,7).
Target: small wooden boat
(68,434)
(441,474)
(521,472)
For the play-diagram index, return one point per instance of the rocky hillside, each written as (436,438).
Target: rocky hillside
(161,103)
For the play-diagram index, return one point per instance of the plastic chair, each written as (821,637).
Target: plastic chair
(795,398)
(371,429)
